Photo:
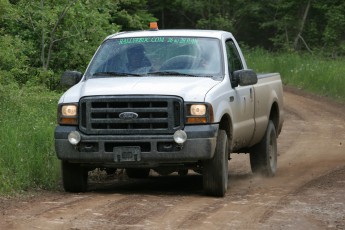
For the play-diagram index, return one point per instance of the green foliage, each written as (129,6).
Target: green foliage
(4,5)
(47,37)
(61,35)
(132,15)
(217,22)
(331,24)
(313,26)
(27,122)
(14,63)
(207,14)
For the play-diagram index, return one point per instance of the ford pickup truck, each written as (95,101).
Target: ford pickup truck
(172,101)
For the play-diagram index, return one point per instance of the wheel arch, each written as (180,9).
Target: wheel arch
(274,116)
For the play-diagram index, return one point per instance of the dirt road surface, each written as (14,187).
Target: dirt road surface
(308,191)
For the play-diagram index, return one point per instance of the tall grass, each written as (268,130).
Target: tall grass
(27,156)
(312,73)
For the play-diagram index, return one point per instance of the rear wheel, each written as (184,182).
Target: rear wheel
(138,173)
(263,158)
(74,177)
(215,170)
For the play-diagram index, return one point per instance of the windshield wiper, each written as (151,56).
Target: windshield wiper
(171,73)
(116,74)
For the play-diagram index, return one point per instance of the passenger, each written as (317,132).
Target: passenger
(137,59)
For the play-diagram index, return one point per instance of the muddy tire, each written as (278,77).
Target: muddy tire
(137,173)
(74,177)
(215,170)
(263,158)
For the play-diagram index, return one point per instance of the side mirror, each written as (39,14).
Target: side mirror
(70,78)
(244,77)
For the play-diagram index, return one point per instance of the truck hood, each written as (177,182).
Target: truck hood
(189,88)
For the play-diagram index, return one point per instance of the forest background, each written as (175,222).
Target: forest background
(304,40)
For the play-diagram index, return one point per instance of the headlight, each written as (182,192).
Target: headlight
(198,110)
(68,114)
(199,113)
(69,110)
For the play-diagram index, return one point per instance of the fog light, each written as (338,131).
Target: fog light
(74,137)
(180,136)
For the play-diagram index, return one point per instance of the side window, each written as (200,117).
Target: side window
(234,60)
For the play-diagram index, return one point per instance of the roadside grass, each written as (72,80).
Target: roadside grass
(27,155)
(312,73)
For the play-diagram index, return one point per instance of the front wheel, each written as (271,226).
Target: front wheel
(263,158)
(74,177)
(215,170)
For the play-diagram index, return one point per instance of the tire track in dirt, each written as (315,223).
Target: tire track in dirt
(319,202)
(323,181)
(124,214)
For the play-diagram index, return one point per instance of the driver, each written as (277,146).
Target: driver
(137,59)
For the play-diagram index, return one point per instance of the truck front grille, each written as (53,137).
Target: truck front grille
(130,115)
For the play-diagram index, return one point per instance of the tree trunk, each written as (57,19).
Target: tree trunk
(52,40)
(299,35)
(42,38)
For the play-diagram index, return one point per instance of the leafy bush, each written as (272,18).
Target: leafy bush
(14,60)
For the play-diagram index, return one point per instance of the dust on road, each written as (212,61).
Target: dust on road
(306,193)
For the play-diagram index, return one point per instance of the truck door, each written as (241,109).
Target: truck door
(241,101)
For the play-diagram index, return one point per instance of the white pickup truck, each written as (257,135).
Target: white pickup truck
(168,101)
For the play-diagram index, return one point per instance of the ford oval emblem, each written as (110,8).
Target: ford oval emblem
(128,115)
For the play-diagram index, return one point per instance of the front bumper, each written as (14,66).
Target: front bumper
(154,149)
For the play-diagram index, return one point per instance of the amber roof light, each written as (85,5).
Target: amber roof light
(153,26)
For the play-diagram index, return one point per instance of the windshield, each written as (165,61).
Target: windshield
(152,56)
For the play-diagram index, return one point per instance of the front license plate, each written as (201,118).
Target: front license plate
(127,153)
